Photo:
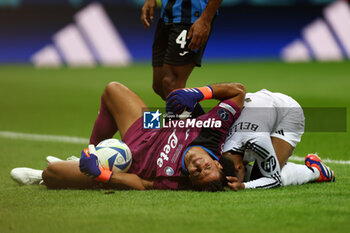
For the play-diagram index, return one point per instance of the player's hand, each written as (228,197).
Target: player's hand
(88,164)
(183,99)
(199,32)
(234,183)
(147,14)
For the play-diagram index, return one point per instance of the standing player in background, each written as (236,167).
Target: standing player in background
(180,39)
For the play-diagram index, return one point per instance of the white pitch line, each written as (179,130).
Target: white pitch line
(298,158)
(85,141)
(44,137)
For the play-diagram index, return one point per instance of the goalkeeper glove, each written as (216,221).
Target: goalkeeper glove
(88,164)
(185,99)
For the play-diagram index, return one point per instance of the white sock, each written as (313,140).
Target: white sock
(297,174)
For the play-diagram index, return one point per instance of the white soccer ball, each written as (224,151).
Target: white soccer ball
(114,154)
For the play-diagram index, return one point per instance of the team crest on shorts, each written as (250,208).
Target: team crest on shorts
(151,120)
(169,171)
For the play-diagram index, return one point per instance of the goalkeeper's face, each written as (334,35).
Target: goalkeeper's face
(202,168)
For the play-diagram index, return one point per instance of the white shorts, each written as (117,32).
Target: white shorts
(291,123)
(278,114)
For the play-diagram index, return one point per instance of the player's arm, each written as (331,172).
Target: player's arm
(121,180)
(268,164)
(147,13)
(200,29)
(229,91)
(89,165)
(185,99)
(238,164)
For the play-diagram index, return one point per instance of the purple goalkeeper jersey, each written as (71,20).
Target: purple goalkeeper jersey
(157,153)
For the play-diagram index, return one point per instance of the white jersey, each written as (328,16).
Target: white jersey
(265,115)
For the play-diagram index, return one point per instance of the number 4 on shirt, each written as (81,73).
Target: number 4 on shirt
(181,39)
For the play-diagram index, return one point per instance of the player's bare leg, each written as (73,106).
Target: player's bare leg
(124,105)
(282,149)
(66,174)
(167,78)
(105,126)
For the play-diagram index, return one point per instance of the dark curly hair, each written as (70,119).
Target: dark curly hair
(214,185)
(219,184)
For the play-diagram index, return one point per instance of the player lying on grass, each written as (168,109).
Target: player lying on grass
(291,173)
(267,131)
(167,158)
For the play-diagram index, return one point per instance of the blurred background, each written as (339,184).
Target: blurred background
(109,32)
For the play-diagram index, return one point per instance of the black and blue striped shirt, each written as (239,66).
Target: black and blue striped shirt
(182,11)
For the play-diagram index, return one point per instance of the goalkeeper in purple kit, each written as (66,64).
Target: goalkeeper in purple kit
(183,156)
(178,157)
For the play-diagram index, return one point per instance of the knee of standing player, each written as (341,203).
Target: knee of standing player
(170,84)
(157,88)
(51,176)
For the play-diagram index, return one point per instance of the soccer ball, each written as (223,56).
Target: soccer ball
(114,155)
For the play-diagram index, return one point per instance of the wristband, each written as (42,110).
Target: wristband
(105,176)
(207,92)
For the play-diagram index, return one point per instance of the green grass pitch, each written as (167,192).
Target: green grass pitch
(65,102)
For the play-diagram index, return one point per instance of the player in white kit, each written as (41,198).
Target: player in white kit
(267,131)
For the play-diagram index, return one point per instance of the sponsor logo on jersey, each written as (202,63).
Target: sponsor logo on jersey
(187,134)
(172,143)
(177,153)
(228,107)
(151,120)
